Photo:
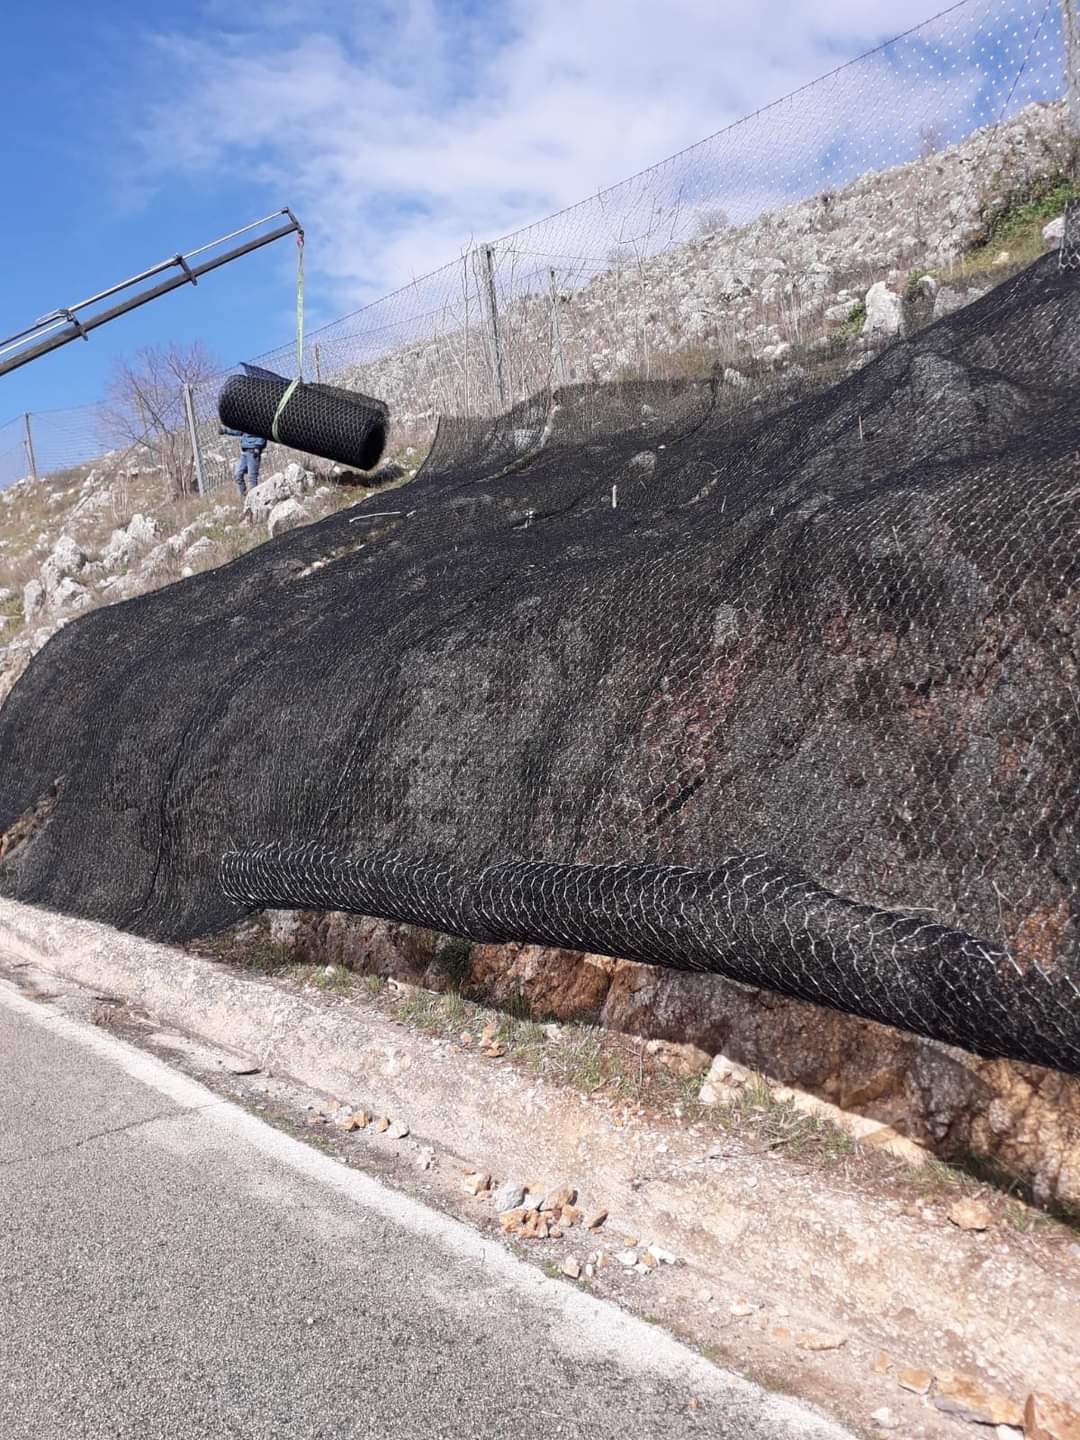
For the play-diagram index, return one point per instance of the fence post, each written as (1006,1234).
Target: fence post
(28,445)
(556,332)
(1070,24)
(196,449)
(491,309)
(318,365)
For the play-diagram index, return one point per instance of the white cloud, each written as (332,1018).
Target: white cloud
(401,131)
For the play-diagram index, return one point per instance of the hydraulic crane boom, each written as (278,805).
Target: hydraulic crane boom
(69,323)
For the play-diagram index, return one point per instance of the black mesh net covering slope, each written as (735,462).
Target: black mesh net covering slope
(779,683)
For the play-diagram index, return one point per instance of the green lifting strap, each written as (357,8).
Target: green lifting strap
(299,336)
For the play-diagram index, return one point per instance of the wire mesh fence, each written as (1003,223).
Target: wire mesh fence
(895,162)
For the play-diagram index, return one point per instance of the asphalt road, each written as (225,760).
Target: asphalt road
(170,1266)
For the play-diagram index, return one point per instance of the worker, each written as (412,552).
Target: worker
(247,467)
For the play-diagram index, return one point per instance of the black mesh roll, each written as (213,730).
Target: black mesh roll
(325,420)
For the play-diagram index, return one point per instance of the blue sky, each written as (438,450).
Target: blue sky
(399,130)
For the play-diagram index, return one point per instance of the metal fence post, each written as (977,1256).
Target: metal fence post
(28,445)
(1070,24)
(491,314)
(318,365)
(196,449)
(556,332)
(1070,28)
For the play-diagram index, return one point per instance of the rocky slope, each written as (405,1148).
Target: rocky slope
(739,294)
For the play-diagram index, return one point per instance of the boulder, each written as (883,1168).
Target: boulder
(883,313)
(129,540)
(295,474)
(286,515)
(156,560)
(201,552)
(67,556)
(64,559)
(283,485)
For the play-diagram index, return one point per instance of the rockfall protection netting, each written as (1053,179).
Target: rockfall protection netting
(323,420)
(778,682)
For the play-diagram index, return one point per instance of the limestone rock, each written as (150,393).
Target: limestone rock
(66,558)
(960,1396)
(202,551)
(1048,1419)
(970,1215)
(262,498)
(286,515)
(128,541)
(723,1082)
(296,475)
(509,1196)
(157,560)
(883,313)
(884,1419)
(557,1199)
(917,1381)
(33,599)
(70,595)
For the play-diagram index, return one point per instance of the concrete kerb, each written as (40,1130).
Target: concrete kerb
(489,1115)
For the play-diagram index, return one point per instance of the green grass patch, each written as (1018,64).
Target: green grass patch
(852,327)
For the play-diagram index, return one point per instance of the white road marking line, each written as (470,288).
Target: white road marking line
(586,1324)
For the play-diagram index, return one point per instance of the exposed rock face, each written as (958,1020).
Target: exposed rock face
(557,983)
(1047,1418)
(1024,1118)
